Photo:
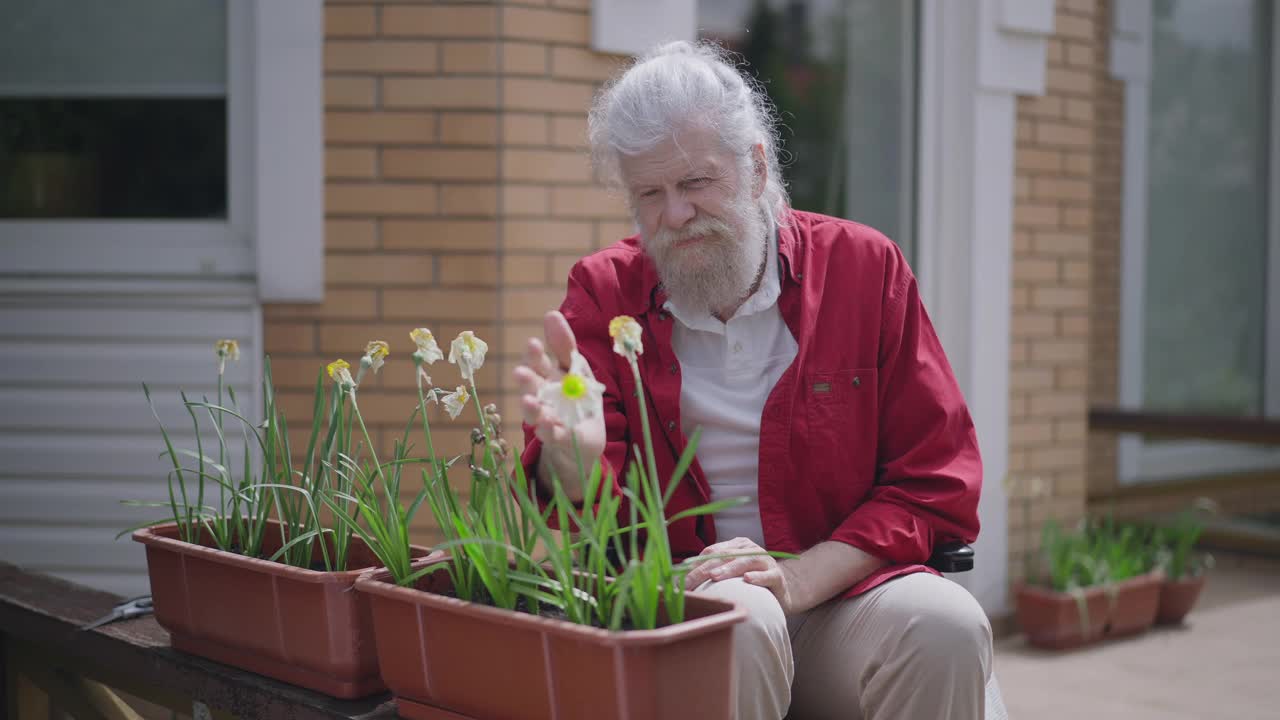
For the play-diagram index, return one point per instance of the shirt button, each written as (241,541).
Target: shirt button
(737,347)
(675,368)
(671,425)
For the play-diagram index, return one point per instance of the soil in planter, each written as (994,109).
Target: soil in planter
(428,584)
(358,555)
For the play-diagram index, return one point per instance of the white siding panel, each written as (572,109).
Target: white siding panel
(86,455)
(76,434)
(125,362)
(70,548)
(29,502)
(199,325)
(97,409)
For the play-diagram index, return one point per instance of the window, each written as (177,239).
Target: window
(113,110)
(1201,151)
(126,138)
(843,78)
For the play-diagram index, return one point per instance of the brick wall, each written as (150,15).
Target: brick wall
(458,193)
(1054,216)
(1104,319)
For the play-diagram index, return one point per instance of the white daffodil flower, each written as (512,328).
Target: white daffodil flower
(577,396)
(226,350)
(626,333)
(455,402)
(467,351)
(428,351)
(340,372)
(375,354)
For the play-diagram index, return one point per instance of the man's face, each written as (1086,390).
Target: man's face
(698,217)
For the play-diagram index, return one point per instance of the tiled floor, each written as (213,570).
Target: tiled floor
(1224,663)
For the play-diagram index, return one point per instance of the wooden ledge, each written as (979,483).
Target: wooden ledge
(40,616)
(1228,428)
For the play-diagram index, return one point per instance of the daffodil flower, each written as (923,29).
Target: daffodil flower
(467,351)
(577,396)
(226,350)
(340,372)
(455,401)
(375,354)
(428,351)
(626,333)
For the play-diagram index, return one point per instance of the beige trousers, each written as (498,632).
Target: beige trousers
(918,646)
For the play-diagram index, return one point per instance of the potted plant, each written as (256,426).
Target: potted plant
(247,569)
(1097,582)
(1185,570)
(600,627)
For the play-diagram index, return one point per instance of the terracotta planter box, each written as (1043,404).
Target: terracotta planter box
(1052,619)
(1177,597)
(447,659)
(304,627)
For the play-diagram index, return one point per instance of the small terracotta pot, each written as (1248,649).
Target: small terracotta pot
(1137,600)
(1177,597)
(445,658)
(304,627)
(1053,619)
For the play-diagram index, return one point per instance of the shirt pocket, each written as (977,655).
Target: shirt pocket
(841,413)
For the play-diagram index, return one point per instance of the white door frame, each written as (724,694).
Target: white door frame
(976,58)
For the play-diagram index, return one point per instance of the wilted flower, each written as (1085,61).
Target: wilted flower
(428,351)
(500,448)
(577,396)
(455,401)
(226,350)
(467,351)
(340,372)
(374,354)
(1039,487)
(625,332)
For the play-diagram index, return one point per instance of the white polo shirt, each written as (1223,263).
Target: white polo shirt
(728,370)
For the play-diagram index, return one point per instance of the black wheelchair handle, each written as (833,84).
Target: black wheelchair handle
(952,557)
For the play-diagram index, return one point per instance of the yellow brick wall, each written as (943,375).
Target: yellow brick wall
(458,192)
(1054,216)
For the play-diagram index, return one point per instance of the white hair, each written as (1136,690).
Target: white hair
(678,85)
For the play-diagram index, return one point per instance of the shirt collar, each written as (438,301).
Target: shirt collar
(765,296)
(790,249)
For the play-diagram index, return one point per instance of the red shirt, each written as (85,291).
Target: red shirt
(864,440)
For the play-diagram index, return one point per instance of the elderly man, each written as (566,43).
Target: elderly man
(799,345)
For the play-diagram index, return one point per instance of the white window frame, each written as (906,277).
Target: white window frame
(274,230)
(975,60)
(1137,461)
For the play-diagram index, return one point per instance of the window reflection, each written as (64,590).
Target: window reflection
(842,75)
(1208,143)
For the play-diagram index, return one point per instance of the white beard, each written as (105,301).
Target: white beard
(716,273)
